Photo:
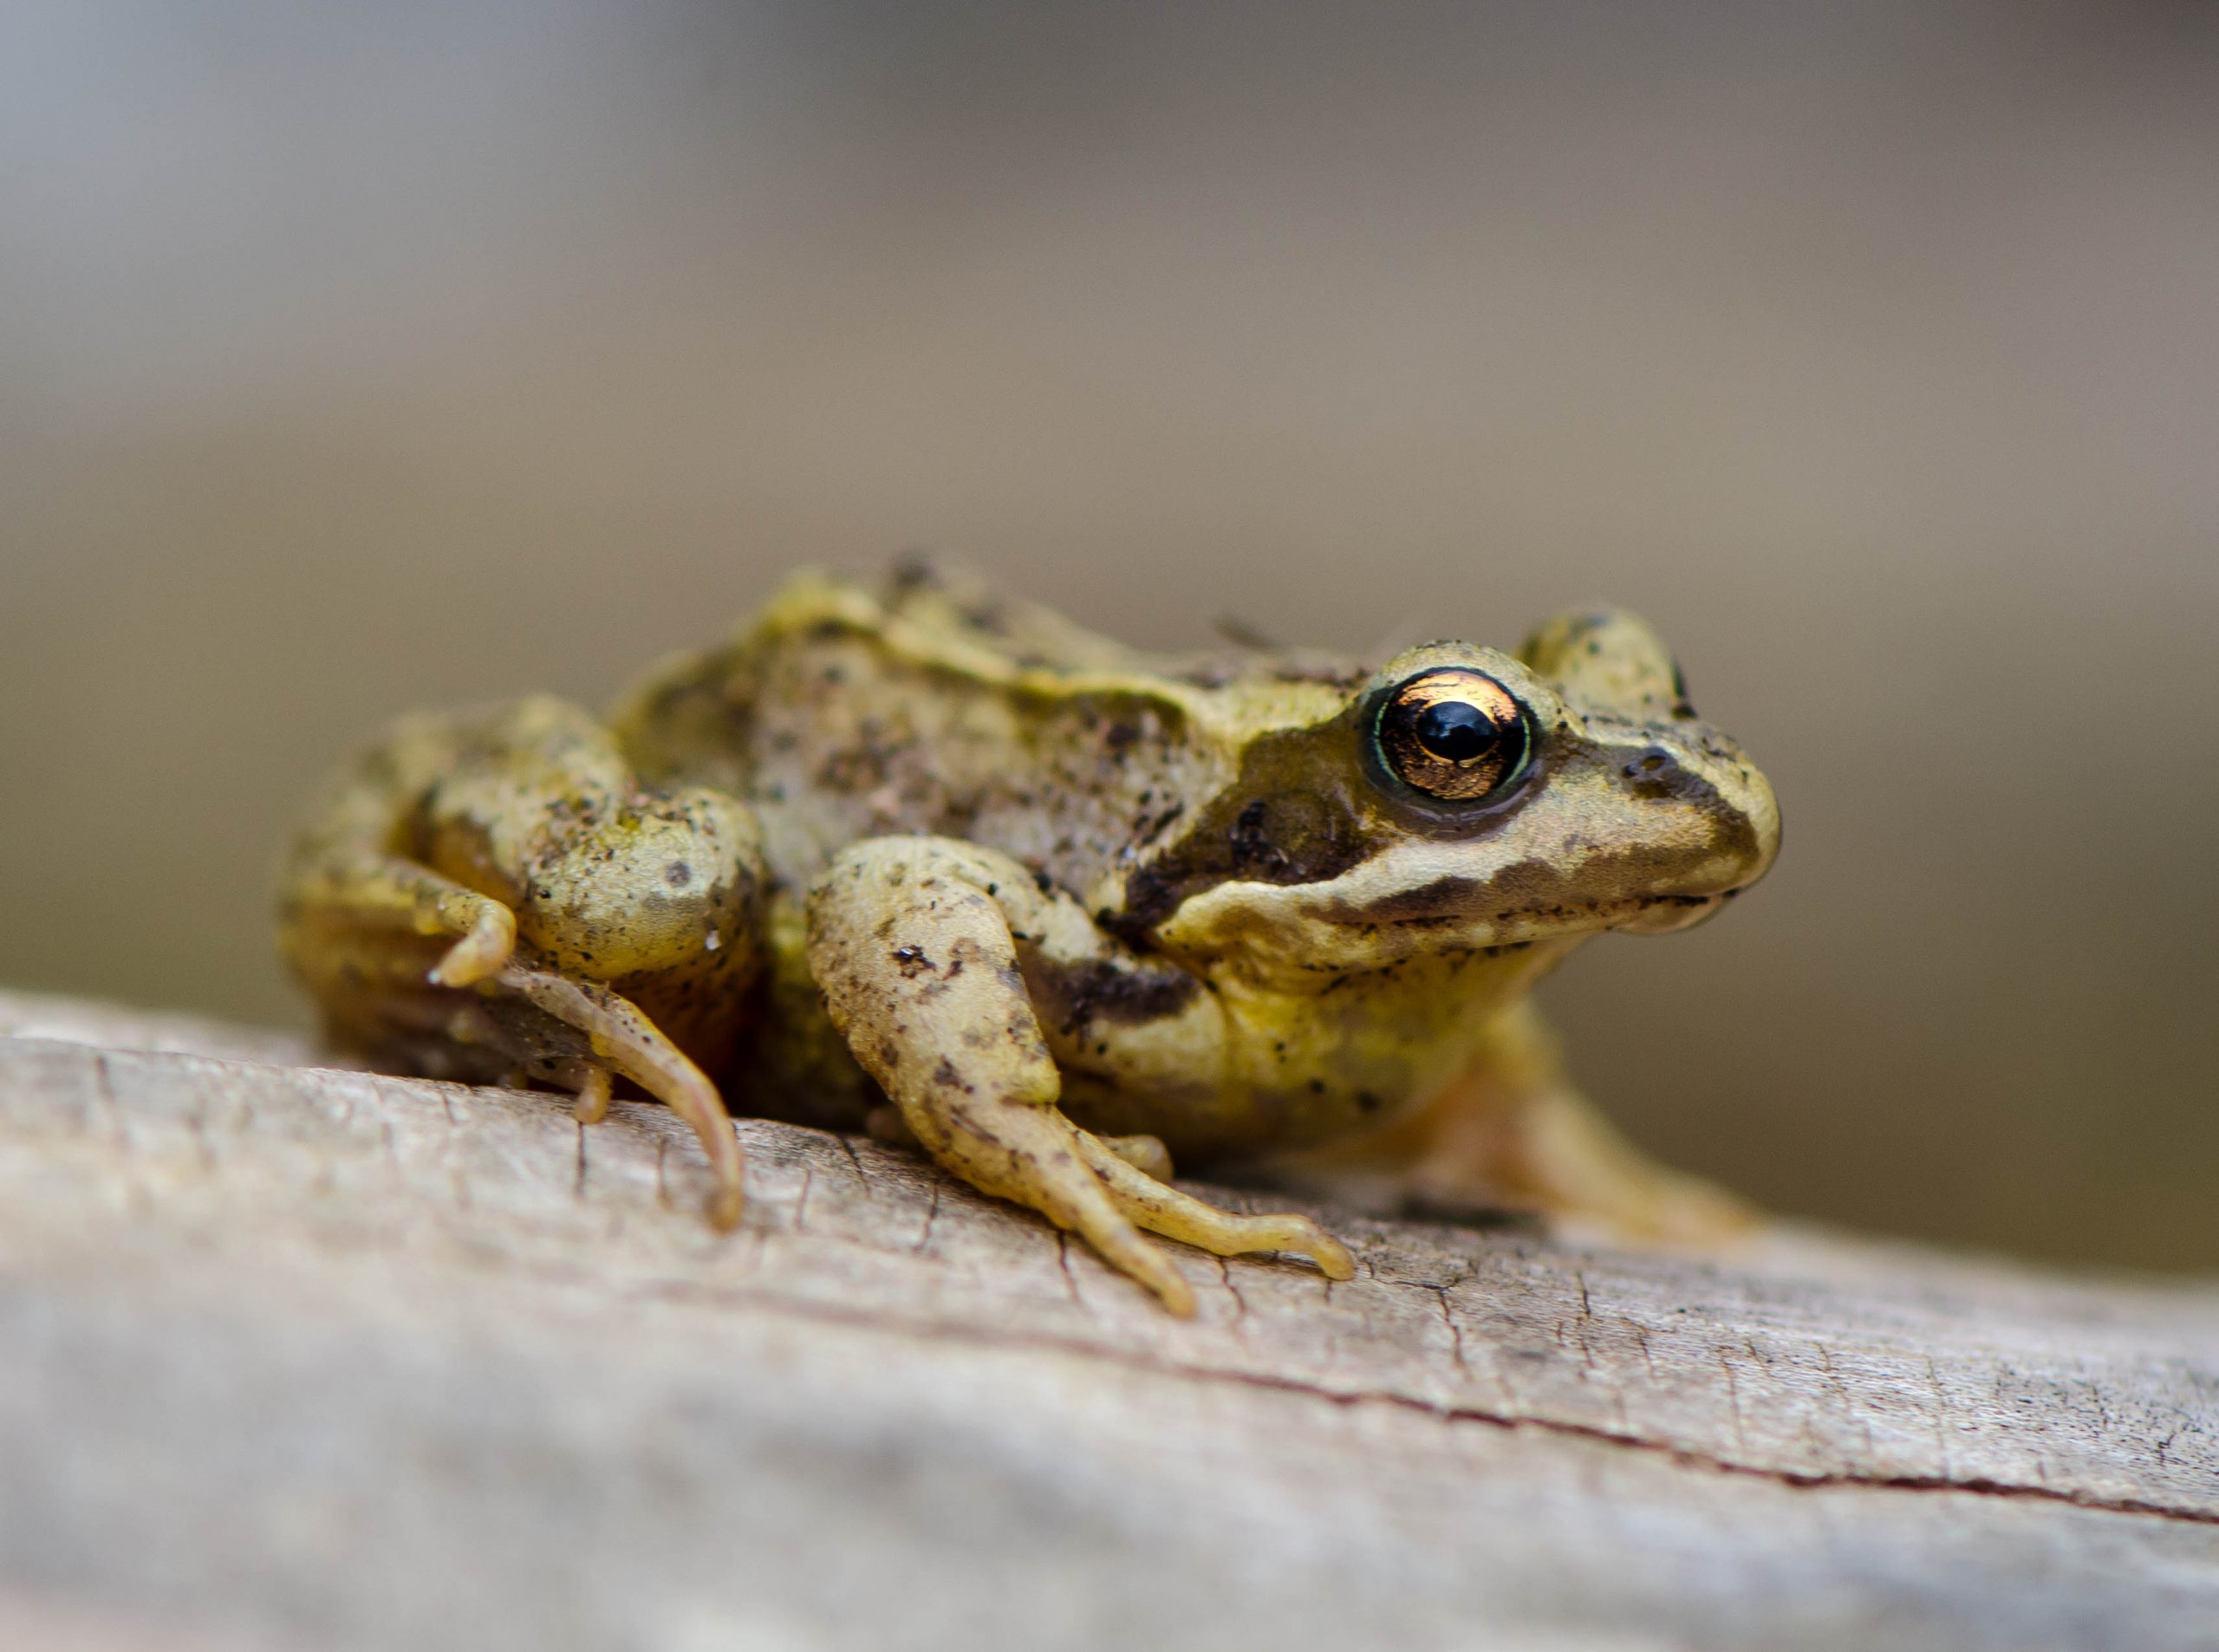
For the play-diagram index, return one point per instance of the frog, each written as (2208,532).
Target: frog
(914,857)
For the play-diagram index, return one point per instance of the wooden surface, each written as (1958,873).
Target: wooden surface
(297,1357)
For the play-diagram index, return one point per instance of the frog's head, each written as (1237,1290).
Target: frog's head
(1465,799)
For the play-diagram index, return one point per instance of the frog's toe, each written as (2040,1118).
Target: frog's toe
(1097,1218)
(590,1035)
(1033,1153)
(490,942)
(592,1086)
(1164,1209)
(1146,1153)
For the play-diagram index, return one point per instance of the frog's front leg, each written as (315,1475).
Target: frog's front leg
(919,944)
(494,894)
(1514,1130)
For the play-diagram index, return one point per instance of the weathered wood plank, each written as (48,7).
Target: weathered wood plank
(356,1360)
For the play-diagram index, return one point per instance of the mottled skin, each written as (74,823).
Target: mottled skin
(1063,905)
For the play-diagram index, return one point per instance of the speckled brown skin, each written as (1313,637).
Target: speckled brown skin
(1058,901)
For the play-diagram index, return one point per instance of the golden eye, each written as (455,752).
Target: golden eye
(1455,734)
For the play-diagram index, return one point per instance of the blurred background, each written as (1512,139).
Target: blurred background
(361,356)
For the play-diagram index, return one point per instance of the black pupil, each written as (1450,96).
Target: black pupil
(1456,730)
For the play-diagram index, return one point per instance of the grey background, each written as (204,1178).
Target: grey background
(355,357)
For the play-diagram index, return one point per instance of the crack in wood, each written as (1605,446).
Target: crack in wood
(1634,1351)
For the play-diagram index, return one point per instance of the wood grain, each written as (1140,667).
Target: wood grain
(309,1356)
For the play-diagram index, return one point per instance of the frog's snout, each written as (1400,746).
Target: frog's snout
(1746,800)
(1735,818)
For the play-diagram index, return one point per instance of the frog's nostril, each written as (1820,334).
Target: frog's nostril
(1654,773)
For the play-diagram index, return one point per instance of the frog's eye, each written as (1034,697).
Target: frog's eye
(1453,734)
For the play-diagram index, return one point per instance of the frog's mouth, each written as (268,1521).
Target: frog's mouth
(1411,902)
(1655,915)
(1672,913)
(1531,900)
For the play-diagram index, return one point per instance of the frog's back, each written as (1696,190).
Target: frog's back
(932,705)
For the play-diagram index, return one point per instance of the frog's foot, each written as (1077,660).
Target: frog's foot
(1551,1152)
(1146,1200)
(524,1023)
(912,941)
(1564,1159)
(581,1035)
(1034,1156)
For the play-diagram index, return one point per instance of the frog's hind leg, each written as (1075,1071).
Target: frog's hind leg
(493,896)
(1514,1130)
(914,942)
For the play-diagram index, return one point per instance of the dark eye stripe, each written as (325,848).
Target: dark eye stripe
(1453,734)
